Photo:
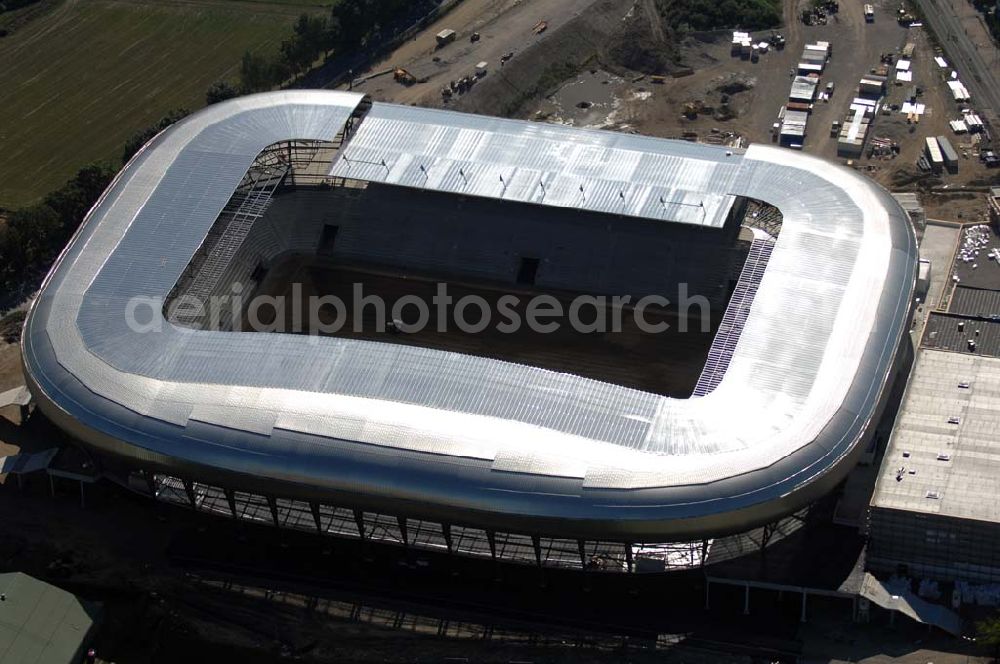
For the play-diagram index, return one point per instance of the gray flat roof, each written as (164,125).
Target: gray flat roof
(957,462)
(981,302)
(40,623)
(953,332)
(412,428)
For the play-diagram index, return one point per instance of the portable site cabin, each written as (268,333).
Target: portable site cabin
(853,133)
(803,89)
(793,128)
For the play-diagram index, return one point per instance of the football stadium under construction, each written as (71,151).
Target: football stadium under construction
(612,451)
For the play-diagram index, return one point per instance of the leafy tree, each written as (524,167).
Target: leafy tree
(312,32)
(220,91)
(25,239)
(72,201)
(255,72)
(713,14)
(140,138)
(9,5)
(988,634)
(333,36)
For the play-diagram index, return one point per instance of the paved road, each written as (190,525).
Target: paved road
(973,68)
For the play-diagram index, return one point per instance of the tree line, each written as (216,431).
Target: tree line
(351,25)
(11,5)
(717,14)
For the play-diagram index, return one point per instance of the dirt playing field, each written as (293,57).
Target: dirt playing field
(667,362)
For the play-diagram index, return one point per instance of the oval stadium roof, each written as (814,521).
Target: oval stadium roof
(478,441)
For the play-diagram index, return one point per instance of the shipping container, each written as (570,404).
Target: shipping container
(948,154)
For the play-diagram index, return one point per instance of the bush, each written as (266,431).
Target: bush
(718,14)
(140,138)
(221,91)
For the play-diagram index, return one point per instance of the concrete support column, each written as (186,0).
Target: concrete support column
(151,482)
(231,499)
(189,490)
(746,599)
(272,504)
(401,523)
(492,541)
(802,617)
(314,507)
(446,533)
(359,519)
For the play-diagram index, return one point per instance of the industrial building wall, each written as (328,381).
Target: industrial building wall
(933,546)
(486,240)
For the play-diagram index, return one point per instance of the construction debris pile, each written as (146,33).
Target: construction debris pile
(974,240)
(744,46)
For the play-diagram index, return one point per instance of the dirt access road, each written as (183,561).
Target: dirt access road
(504,26)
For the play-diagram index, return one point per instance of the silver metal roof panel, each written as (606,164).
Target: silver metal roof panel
(537,163)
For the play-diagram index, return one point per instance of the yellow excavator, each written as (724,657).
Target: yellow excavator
(400,75)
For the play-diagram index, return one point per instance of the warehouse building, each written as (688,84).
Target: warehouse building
(936,509)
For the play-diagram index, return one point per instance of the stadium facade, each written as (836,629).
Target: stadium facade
(450,450)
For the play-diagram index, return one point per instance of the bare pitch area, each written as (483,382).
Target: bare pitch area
(667,362)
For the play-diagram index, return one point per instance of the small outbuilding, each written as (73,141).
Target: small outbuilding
(43,624)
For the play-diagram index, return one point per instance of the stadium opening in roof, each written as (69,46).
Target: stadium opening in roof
(568,447)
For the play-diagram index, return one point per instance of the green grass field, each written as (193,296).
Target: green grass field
(78,80)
